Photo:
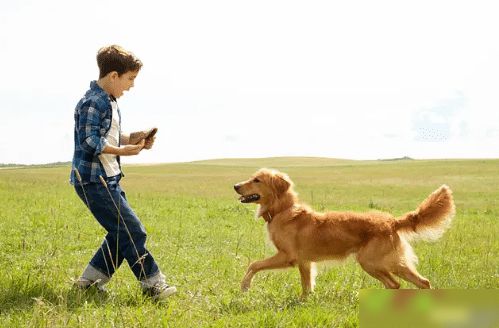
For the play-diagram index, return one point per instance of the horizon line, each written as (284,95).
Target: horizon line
(403,158)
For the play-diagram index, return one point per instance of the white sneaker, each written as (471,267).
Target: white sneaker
(160,291)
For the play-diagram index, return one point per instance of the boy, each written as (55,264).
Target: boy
(96,174)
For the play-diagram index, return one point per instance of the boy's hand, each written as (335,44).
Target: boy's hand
(129,150)
(135,137)
(149,142)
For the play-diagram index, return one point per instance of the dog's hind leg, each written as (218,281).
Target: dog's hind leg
(278,261)
(411,275)
(375,258)
(307,272)
(384,276)
(405,266)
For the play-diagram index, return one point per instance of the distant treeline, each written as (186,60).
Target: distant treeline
(34,165)
(405,158)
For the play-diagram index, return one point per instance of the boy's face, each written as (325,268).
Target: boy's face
(122,83)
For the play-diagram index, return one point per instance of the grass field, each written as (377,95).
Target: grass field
(204,239)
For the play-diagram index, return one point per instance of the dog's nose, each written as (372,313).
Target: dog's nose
(237,186)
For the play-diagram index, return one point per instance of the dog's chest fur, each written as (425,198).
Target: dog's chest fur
(282,231)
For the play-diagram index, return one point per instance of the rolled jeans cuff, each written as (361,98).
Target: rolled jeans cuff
(157,278)
(94,275)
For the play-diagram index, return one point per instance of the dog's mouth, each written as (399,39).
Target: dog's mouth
(249,198)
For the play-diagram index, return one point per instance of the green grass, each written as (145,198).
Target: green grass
(204,239)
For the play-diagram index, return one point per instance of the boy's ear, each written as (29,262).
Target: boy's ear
(113,75)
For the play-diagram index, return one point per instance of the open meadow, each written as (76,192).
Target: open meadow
(204,239)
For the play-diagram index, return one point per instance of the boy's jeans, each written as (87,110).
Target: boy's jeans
(125,237)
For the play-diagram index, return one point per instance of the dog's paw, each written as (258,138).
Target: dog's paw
(245,286)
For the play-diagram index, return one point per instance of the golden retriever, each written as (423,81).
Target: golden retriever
(303,237)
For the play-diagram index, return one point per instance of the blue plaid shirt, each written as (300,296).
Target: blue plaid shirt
(93,116)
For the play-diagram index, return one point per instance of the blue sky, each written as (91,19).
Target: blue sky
(357,79)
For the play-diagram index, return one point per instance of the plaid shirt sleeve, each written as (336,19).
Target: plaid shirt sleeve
(89,128)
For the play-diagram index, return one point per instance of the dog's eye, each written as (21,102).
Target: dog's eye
(256,180)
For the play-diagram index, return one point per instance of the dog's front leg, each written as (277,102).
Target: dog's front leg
(307,273)
(278,261)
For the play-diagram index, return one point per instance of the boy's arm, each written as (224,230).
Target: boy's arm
(91,141)
(126,150)
(89,122)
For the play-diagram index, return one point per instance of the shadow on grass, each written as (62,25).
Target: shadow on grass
(261,299)
(21,297)
(238,303)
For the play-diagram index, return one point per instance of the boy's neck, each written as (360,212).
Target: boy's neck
(105,84)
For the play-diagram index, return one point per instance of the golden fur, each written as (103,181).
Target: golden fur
(303,236)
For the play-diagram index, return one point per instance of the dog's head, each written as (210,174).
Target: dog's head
(263,187)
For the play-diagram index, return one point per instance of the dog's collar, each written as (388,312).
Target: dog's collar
(265,214)
(295,210)
(269,219)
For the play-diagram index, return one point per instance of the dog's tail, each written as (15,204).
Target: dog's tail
(430,220)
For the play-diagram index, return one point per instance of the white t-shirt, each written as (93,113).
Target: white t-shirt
(109,161)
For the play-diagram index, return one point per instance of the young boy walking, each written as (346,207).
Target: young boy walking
(96,173)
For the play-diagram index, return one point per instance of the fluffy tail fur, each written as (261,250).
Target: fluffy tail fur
(430,220)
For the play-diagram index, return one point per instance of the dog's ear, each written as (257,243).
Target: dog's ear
(281,182)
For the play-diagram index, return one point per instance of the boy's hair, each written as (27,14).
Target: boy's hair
(115,58)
